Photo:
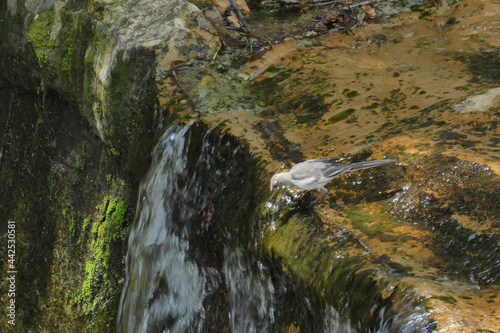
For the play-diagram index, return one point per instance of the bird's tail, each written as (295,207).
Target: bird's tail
(370,164)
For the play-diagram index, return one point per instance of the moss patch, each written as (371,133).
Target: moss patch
(374,222)
(331,269)
(39,36)
(350,93)
(341,116)
(106,235)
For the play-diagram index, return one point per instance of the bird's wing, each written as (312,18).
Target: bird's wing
(336,170)
(317,163)
(303,171)
(308,178)
(326,160)
(318,168)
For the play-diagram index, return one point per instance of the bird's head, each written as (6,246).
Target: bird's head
(279,180)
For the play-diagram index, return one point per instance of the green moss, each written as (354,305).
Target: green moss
(88,81)
(371,106)
(275,70)
(116,217)
(446,299)
(350,93)
(106,237)
(72,227)
(39,36)
(86,224)
(182,13)
(266,89)
(373,223)
(66,61)
(328,268)
(69,56)
(113,151)
(79,161)
(341,116)
(120,82)
(423,13)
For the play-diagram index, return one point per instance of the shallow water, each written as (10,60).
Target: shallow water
(418,87)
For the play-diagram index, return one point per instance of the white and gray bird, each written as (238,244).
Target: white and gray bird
(315,174)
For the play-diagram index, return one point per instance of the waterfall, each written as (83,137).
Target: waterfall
(174,283)
(164,288)
(193,263)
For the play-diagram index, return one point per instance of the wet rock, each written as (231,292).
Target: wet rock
(233,20)
(398,91)
(336,268)
(78,118)
(279,147)
(222,6)
(84,61)
(50,152)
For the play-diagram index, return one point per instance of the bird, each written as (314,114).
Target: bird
(316,173)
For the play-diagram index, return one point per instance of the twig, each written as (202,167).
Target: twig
(240,15)
(178,83)
(350,29)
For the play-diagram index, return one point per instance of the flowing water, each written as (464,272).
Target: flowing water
(168,288)
(191,265)
(161,276)
(207,253)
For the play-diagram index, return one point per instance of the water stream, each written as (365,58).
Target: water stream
(192,261)
(160,274)
(175,283)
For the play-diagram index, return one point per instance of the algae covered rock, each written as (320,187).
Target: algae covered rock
(78,114)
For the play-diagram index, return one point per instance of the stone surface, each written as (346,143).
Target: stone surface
(480,103)
(393,90)
(222,5)
(77,112)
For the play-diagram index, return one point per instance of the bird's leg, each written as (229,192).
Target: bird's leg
(325,191)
